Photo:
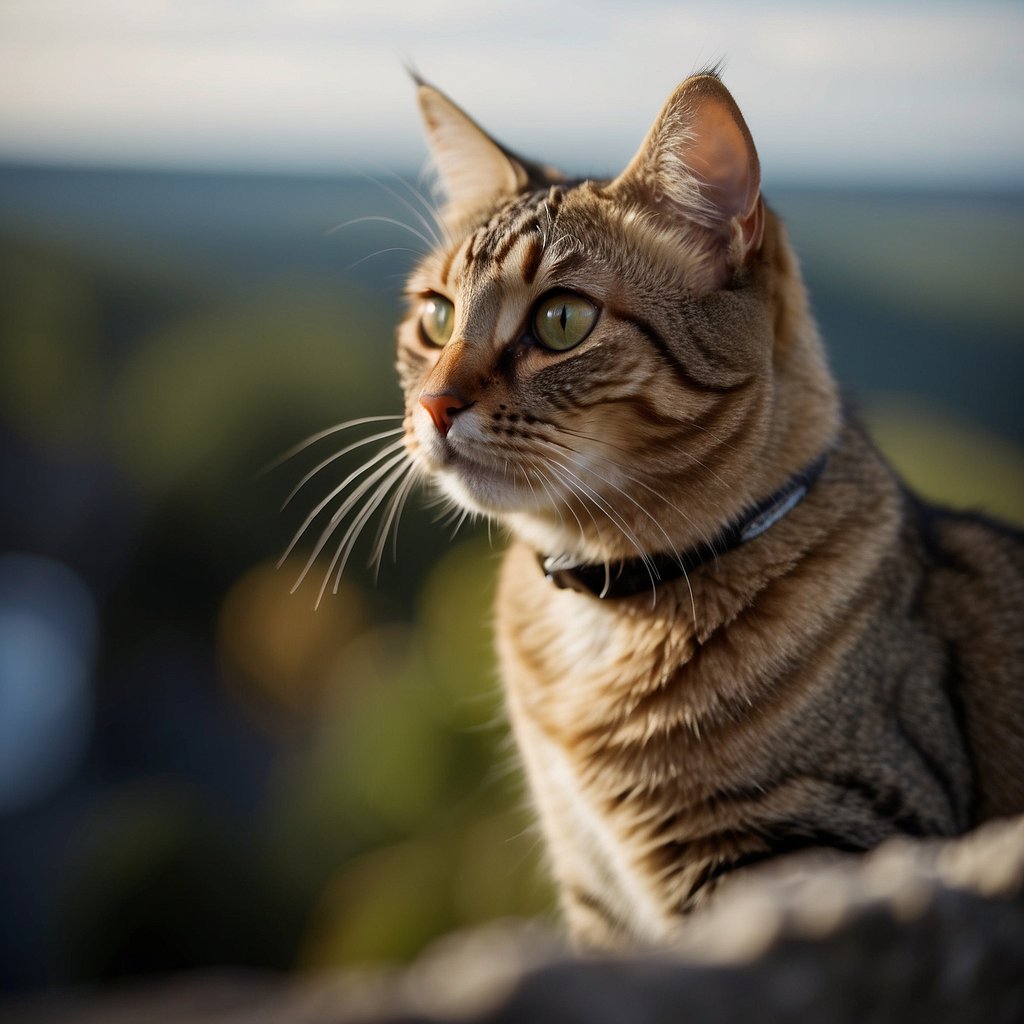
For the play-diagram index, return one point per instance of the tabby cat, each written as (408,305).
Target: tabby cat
(726,630)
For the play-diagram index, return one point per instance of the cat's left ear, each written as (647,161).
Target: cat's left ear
(473,168)
(698,162)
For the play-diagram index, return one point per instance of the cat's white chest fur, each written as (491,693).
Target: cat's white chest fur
(587,851)
(566,658)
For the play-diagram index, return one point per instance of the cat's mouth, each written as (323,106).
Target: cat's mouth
(479,476)
(493,479)
(489,485)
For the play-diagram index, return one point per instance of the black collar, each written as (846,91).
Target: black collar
(634,575)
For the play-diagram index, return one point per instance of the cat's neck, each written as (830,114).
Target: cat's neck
(645,573)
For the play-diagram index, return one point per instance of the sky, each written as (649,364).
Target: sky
(915,91)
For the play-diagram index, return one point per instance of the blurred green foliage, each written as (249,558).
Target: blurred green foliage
(948,458)
(50,363)
(276,786)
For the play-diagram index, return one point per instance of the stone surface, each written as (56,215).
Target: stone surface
(914,932)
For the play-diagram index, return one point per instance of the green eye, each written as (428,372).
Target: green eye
(436,320)
(563,320)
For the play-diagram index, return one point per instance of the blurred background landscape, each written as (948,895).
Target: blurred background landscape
(198,768)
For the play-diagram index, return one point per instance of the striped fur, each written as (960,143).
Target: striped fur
(857,672)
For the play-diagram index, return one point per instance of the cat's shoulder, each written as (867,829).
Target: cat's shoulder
(968,540)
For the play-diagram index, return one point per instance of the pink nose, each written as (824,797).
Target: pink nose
(442,408)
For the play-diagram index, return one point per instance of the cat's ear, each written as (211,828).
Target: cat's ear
(698,162)
(473,169)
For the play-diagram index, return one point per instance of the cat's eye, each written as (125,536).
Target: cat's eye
(437,317)
(563,320)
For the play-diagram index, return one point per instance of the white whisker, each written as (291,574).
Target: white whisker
(351,534)
(529,483)
(336,518)
(625,494)
(583,489)
(586,503)
(370,218)
(391,515)
(394,446)
(618,467)
(433,226)
(554,501)
(625,451)
(319,436)
(380,252)
(458,526)
(609,511)
(449,512)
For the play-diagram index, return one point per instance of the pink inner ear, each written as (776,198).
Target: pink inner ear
(719,153)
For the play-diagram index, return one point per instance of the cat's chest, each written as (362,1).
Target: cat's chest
(577,675)
(592,852)
(574,663)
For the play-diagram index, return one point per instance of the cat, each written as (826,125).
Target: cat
(726,630)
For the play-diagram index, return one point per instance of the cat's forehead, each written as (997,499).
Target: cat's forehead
(572,235)
(517,239)
(521,227)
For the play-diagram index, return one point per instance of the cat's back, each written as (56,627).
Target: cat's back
(974,591)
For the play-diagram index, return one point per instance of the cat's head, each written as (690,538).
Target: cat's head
(598,364)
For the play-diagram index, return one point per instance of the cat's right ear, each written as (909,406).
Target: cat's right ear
(473,169)
(699,163)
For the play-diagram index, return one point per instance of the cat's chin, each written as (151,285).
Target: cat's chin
(490,490)
(523,506)
(529,516)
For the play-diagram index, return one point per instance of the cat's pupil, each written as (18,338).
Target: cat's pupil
(564,320)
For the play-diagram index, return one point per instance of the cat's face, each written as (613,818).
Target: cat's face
(574,361)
